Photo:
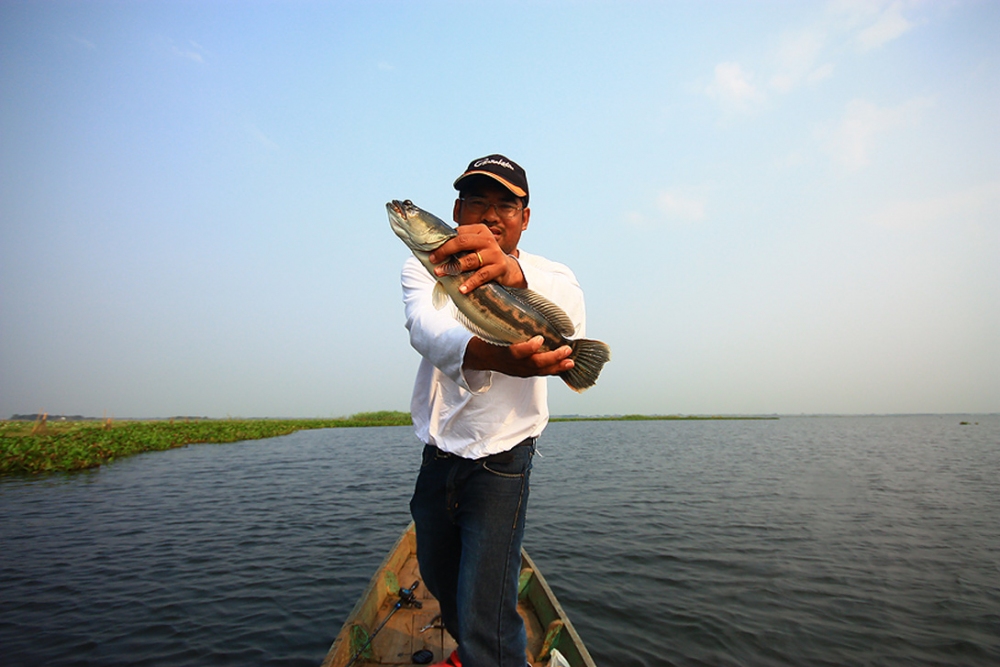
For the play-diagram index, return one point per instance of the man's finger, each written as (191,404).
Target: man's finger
(470,237)
(557,361)
(556,357)
(478,278)
(527,348)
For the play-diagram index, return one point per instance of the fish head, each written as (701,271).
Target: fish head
(419,230)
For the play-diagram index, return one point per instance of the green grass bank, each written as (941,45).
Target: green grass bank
(29,448)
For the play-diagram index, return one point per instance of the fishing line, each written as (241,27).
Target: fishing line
(406,599)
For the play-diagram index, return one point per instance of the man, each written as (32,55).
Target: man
(479,408)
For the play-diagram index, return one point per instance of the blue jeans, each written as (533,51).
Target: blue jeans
(469,516)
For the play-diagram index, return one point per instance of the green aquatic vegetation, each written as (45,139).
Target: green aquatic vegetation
(62,446)
(27,448)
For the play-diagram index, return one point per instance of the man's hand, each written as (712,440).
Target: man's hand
(517,359)
(485,257)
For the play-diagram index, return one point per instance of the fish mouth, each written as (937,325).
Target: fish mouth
(397,218)
(396,207)
(408,224)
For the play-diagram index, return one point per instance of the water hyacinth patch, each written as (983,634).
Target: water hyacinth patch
(31,448)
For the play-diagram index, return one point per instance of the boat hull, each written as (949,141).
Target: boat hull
(410,629)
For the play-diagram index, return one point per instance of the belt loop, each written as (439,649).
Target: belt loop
(440,453)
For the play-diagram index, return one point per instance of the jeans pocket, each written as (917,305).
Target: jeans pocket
(514,463)
(427,457)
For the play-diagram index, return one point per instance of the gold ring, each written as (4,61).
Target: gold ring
(480,259)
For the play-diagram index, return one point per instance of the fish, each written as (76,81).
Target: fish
(496,313)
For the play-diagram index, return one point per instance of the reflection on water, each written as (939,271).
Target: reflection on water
(800,541)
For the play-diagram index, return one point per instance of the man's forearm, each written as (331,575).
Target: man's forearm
(482,356)
(518,359)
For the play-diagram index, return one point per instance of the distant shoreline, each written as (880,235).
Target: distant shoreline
(42,443)
(629,418)
(57,444)
(402,417)
(50,444)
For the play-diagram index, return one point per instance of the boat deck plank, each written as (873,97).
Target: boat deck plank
(401,637)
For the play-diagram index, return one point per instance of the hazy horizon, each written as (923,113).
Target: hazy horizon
(772,208)
(667,416)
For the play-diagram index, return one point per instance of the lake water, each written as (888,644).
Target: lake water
(799,541)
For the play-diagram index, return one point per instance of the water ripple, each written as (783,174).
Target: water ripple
(819,541)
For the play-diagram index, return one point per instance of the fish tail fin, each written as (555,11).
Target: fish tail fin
(589,357)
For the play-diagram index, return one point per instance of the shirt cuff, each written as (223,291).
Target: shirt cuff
(477,382)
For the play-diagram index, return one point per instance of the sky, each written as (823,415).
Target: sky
(772,207)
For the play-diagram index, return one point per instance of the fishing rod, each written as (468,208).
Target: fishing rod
(406,599)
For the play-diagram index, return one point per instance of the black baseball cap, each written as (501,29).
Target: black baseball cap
(504,170)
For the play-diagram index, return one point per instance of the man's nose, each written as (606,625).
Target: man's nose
(491,213)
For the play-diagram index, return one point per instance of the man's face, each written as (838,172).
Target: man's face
(506,230)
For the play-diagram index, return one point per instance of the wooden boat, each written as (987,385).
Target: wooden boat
(407,629)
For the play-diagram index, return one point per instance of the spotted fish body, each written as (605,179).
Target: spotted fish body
(497,314)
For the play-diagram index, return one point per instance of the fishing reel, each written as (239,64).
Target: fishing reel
(408,599)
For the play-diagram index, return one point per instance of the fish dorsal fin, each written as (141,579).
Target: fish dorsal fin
(556,316)
(439,297)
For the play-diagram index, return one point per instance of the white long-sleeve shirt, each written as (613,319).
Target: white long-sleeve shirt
(471,413)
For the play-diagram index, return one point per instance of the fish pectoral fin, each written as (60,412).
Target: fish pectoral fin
(452,266)
(556,316)
(439,297)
